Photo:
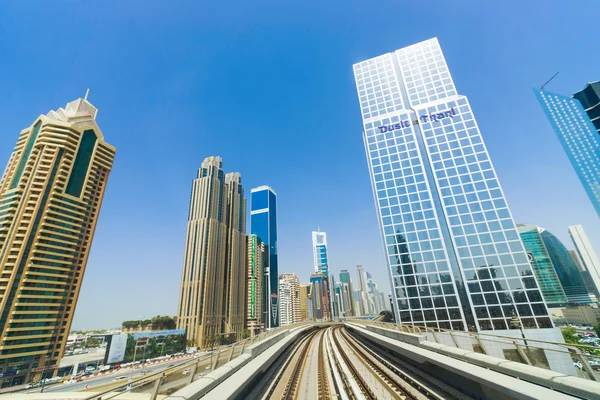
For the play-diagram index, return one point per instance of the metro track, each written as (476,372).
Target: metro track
(335,363)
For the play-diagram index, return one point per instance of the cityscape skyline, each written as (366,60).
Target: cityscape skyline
(125,211)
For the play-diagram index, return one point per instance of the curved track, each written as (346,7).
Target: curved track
(334,363)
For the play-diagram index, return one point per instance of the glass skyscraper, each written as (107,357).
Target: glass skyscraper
(578,137)
(263,223)
(566,269)
(319,241)
(543,268)
(321,264)
(454,255)
(589,98)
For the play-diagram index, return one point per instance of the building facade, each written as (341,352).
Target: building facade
(254,284)
(212,296)
(363,292)
(304,295)
(543,267)
(319,297)
(234,287)
(51,193)
(578,137)
(455,258)
(589,259)
(347,291)
(263,223)
(589,98)
(319,241)
(569,275)
(289,299)
(321,264)
(582,315)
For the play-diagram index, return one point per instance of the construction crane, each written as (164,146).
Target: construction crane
(548,81)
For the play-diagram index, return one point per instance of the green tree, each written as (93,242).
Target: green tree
(570,335)
(597,329)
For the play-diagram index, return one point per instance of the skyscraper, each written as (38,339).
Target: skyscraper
(304,294)
(321,264)
(289,299)
(588,256)
(319,297)
(566,269)
(235,256)
(348,293)
(543,267)
(254,284)
(212,297)
(363,291)
(455,257)
(50,195)
(578,137)
(263,223)
(589,98)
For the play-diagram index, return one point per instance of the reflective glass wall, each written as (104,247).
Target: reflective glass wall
(455,257)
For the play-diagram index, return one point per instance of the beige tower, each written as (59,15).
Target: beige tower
(235,262)
(50,197)
(304,293)
(214,259)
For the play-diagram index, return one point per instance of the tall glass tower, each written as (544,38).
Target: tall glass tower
(543,268)
(578,137)
(319,242)
(589,98)
(566,269)
(263,223)
(454,255)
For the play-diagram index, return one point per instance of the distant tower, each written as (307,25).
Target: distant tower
(363,291)
(289,299)
(587,255)
(348,293)
(320,297)
(51,193)
(254,281)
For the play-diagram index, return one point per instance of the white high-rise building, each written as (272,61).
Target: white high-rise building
(289,299)
(586,253)
(454,255)
(363,291)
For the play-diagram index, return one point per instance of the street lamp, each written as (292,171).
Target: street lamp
(516,323)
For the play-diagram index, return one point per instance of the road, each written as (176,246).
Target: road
(109,378)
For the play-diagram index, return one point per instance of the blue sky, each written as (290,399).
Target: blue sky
(268,86)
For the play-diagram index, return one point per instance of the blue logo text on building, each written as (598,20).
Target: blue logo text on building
(424,119)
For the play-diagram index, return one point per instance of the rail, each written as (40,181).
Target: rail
(587,356)
(215,358)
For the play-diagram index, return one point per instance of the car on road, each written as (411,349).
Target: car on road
(118,378)
(33,385)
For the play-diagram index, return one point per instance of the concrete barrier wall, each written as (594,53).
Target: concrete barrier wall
(260,355)
(485,375)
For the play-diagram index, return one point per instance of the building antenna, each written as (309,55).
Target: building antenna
(87,92)
(548,81)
